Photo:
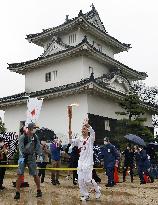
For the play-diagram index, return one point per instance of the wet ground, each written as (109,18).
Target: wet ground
(68,194)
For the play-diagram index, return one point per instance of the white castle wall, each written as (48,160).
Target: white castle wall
(80,33)
(12,117)
(68,71)
(53,115)
(107,107)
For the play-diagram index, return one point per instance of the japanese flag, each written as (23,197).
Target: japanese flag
(33,110)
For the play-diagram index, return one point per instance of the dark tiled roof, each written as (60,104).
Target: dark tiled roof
(84,82)
(85,17)
(23,95)
(84,41)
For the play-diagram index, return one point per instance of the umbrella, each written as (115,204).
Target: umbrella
(45,134)
(135,139)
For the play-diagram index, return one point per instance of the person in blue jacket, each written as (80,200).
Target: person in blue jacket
(111,159)
(143,164)
(55,149)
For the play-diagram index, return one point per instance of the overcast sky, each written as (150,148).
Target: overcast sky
(130,21)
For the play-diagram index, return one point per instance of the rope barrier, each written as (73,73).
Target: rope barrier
(48,168)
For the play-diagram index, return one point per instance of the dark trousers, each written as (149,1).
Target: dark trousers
(110,174)
(75,175)
(41,172)
(2,173)
(125,168)
(95,176)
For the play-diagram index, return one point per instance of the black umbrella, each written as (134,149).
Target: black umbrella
(135,139)
(45,134)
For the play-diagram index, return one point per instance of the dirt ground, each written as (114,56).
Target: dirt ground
(68,194)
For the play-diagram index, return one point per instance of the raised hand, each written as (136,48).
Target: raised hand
(85,122)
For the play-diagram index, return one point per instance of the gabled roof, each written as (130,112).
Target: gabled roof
(55,45)
(89,85)
(84,48)
(90,21)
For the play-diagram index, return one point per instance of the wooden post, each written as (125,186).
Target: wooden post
(70,118)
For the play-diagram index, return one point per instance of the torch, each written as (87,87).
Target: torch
(70,117)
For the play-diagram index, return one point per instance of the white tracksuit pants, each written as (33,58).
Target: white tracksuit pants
(85,181)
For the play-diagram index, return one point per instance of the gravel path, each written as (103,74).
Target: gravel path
(67,194)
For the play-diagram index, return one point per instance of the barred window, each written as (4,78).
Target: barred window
(72,38)
(99,47)
(107,125)
(55,73)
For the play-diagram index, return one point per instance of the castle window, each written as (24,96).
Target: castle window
(55,73)
(90,70)
(48,77)
(107,125)
(72,38)
(99,47)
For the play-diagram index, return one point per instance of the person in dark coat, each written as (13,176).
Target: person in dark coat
(111,159)
(128,162)
(3,161)
(97,161)
(74,156)
(143,164)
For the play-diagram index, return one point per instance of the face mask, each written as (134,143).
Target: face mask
(1,144)
(43,142)
(33,131)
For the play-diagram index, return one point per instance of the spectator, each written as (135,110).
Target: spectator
(55,149)
(46,152)
(111,159)
(143,164)
(3,161)
(97,161)
(128,162)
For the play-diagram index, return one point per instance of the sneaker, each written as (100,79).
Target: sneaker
(84,198)
(57,182)
(2,187)
(53,182)
(39,193)
(109,185)
(74,183)
(98,195)
(42,179)
(17,195)
(143,182)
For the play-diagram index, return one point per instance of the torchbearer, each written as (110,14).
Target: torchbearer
(85,162)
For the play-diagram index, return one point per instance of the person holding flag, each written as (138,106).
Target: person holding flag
(85,162)
(29,146)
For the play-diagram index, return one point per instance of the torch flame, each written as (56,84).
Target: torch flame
(74,104)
